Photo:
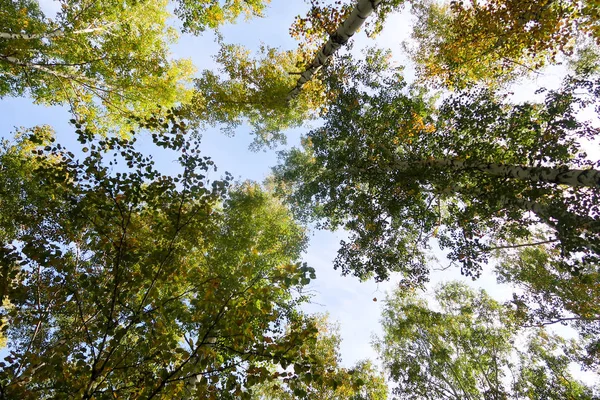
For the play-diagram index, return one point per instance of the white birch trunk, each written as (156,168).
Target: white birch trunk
(340,37)
(585,224)
(192,381)
(561,176)
(79,78)
(48,35)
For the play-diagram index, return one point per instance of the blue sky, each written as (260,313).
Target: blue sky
(347,300)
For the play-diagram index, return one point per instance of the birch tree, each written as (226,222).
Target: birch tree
(362,10)
(560,175)
(466,348)
(396,171)
(105,60)
(464,42)
(337,25)
(128,282)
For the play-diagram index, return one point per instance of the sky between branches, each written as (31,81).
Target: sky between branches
(344,298)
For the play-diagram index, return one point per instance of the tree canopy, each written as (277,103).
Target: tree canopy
(94,57)
(252,89)
(465,42)
(121,277)
(133,284)
(329,381)
(107,61)
(468,350)
(395,171)
(550,295)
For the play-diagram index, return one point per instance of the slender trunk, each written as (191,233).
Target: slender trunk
(78,78)
(47,35)
(561,175)
(16,61)
(340,37)
(576,225)
(545,213)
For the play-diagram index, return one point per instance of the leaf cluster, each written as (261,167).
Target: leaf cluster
(123,281)
(396,171)
(254,92)
(467,348)
(494,42)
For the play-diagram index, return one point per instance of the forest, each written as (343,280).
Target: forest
(174,176)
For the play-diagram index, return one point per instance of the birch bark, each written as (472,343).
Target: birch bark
(49,35)
(363,9)
(561,175)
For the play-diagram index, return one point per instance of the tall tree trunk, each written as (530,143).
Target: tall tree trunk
(52,34)
(561,175)
(340,37)
(579,230)
(557,217)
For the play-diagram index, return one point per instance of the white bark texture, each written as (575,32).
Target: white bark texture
(561,175)
(49,35)
(363,9)
(193,380)
(583,224)
(79,78)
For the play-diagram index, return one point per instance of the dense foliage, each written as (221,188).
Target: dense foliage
(467,350)
(466,42)
(132,283)
(93,57)
(253,89)
(329,381)
(120,280)
(108,61)
(396,171)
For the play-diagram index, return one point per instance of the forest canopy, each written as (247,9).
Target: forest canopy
(131,266)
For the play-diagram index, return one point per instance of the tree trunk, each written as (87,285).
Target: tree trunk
(561,175)
(340,37)
(49,35)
